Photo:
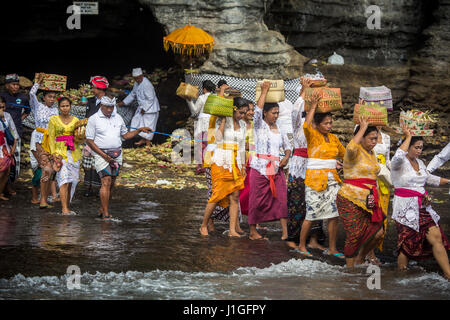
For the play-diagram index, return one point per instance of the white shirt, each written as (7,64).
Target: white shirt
(145,95)
(41,115)
(202,123)
(439,159)
(297,164)
(406,210)
(284,121)
(106,132)
(267,143)
(224,157)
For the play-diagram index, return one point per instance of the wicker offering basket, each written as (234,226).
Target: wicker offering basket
(275,93)
(52,82)
(377,114)
(218,106)
(315,83)
(329,99)
(187,91)
(418,122)
(80,131)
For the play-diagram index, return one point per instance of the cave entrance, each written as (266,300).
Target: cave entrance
(122,36)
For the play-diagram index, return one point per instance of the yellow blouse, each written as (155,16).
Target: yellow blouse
(318,148)
(211,140)
(57,128)
(359,164)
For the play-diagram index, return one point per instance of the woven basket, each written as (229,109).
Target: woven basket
(378,95)
(275,93)
(80,131)
(52,82)
(329,99)
(230,93)
(218,106)
(187,91)
(317,83)
(414,124)
(377,114)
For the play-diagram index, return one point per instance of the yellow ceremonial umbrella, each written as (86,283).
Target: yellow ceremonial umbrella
(189,40)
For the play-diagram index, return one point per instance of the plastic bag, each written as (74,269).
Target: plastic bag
(336,59)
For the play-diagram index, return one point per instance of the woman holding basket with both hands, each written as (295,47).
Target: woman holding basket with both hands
(228,165)
(420,236)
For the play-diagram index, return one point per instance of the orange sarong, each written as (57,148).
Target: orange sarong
(224,184)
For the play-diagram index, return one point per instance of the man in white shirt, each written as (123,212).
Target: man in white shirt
(104,133)
(147,112)
(439,159)
(201,125)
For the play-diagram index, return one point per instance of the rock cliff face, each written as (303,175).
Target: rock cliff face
(245,47)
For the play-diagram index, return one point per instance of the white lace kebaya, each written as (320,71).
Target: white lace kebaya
(297,164)
(406,210)
(41,114)
(267,143)
(224,152)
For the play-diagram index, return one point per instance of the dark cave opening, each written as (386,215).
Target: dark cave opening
(123,35)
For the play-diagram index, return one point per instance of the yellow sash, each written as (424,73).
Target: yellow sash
(44,143)
(234,148)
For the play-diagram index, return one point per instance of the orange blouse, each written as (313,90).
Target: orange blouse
(358,163)
(318,148)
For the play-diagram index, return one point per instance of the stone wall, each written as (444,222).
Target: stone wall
(245,47)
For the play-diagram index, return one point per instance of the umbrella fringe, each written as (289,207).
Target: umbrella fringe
(188,49)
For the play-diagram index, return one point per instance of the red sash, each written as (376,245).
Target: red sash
(270,170)
(301,152)
(377,215)
(407,193)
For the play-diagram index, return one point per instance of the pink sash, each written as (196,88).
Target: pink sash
(407,193)
(68,141)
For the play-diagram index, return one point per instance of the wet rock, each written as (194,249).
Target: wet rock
(245,47)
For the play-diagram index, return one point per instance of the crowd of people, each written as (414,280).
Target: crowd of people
(247,155)
(55,155)
(268,161)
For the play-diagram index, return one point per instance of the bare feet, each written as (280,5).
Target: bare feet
(257,237)
(2,197)
(234,234)
(259,227)
(203,231)
(316,245)
(291,244)
(239,230)
(35,201)
(211,227)
(56,199)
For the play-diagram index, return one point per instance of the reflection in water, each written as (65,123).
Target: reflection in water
(153,251)
(7,227)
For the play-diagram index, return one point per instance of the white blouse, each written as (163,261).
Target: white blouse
(284,121)
(224,157)
(297,164)
(406,210)
(41,115)
(202,123)
(266,144)
(9,123)
(384,148)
